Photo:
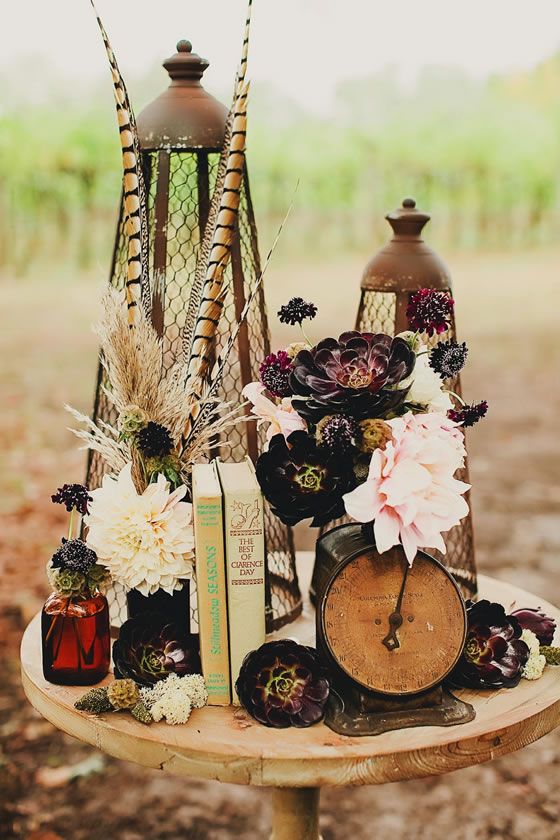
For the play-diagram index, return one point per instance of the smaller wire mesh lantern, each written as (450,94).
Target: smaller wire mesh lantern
(181,134)
(403,266)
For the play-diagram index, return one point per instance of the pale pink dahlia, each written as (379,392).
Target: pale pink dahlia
(283,419)
(410,492)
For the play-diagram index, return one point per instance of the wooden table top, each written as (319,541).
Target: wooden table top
(227,745)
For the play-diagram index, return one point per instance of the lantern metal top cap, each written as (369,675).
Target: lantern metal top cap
(406,263)
(407,220)
(185,117)
(185,64)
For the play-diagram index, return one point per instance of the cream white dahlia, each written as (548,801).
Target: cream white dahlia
(145,540)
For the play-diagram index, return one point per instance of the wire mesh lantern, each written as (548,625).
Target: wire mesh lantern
(403,266)
(181,134)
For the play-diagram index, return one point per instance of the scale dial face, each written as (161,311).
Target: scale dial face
(356,608)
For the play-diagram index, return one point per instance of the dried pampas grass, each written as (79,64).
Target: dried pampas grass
(135,375)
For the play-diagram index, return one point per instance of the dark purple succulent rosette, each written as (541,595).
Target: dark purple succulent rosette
(494,654)
(149,648)
(283,684)
(302,480)
(538,622)
(355,375)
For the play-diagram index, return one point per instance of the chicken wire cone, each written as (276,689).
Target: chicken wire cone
(181,134)
(403,266)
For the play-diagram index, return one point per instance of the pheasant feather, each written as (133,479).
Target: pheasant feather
(134,193)
(202,409)
(217,199)
(212,295)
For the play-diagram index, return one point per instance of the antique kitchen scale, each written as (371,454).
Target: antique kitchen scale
(390,634)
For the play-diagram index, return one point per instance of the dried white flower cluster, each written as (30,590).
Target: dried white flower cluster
(534,666)
(174,697)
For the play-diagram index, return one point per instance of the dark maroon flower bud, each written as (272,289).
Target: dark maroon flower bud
(337,433)
(74,556)
(283,684)
(275,373)
(73,497)
(296,311)
(494,655)
(468,415)
(154,440)
(430,311)
(448,358)
(538,623)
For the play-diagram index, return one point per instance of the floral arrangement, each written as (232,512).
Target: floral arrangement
(74,570)
(365,425)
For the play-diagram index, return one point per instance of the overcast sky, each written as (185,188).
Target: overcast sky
(305,47)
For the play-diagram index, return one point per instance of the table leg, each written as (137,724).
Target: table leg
(295,814)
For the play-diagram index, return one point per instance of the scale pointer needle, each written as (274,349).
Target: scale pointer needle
(391,640)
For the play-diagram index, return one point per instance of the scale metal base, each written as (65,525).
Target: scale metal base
(361,713)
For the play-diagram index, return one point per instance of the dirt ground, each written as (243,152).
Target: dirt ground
(53,787)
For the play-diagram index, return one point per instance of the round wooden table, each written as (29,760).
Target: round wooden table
(227,745)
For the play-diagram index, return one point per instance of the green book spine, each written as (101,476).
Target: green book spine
(211,590)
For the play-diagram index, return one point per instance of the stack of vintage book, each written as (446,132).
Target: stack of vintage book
(230,571)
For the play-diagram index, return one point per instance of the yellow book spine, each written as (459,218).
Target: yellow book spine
(245,566)
(211,593)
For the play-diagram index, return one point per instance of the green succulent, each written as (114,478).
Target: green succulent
(551,654)
(94,701)
(141,712)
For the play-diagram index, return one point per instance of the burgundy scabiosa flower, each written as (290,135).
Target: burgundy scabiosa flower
(74,556)
(275,373)
(448,358)
(302,480)
(283,684)
(149,648)
(154,440)
(296,311)
(468,415)
(337,433)
(494,655)
(73,497)
(355,375)
(538,623)
(430,311)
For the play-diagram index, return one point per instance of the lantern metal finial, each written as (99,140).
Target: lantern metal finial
(185,116)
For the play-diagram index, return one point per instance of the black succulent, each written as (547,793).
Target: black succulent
(283,684)
(154,440)
(494,654)
(74,556)
(355,375)
(303,480)
(149,648)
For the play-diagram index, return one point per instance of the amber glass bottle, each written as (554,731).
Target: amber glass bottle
(76,639)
